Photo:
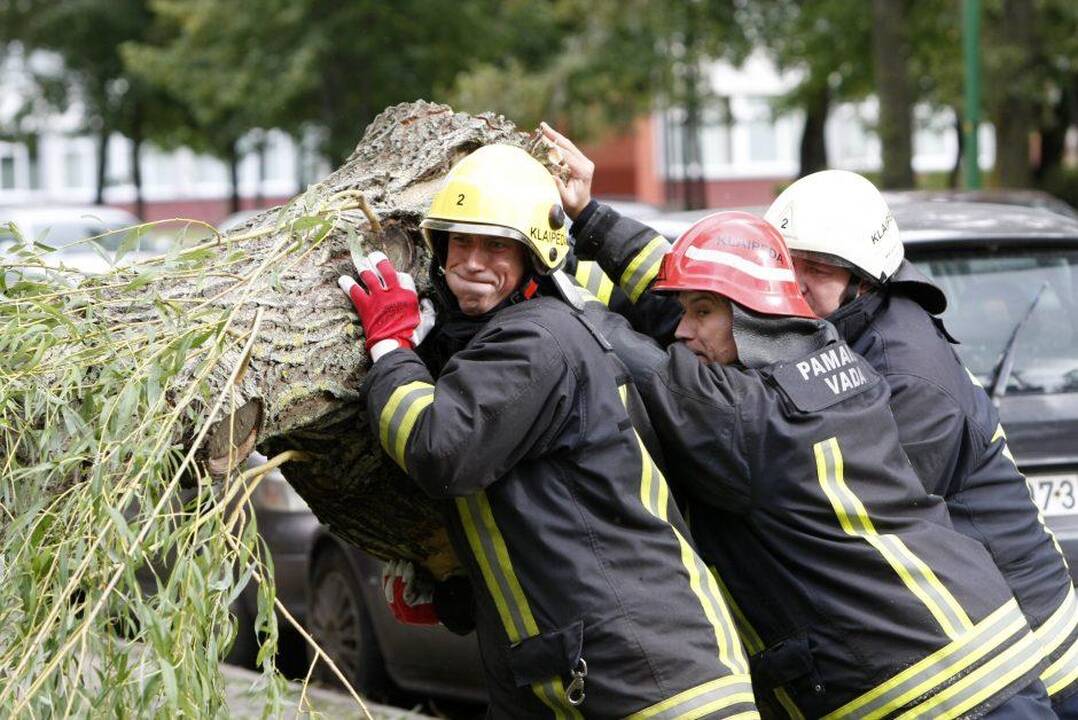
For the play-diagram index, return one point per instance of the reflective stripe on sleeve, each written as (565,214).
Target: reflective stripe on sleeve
(981,684)
(1060,624)
(490,551)
(714,696)
(655,496)
(1006,452)
(399,417)
(592,278)
(947,663)
(854,519)
(643,268)
(1062,672)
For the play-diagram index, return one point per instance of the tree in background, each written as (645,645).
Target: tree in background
(829,45)
(86,36)
(890,63)
(221,61)
(611,63)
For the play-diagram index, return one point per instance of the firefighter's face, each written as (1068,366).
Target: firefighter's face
(821,284)
(482,270)
(707,327)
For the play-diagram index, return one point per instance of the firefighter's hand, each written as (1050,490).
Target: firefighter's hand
(576,191)
(409,596)
(388,306)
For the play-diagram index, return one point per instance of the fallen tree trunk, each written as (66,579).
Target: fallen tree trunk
(299,391)
(299,384)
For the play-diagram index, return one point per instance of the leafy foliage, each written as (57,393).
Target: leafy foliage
(119,558)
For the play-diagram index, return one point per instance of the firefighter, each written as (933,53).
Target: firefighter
(854,595)
(850,263)
(590,600)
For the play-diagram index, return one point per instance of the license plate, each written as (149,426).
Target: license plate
(1055,494)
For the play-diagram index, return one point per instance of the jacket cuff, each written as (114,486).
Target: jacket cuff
(591,227)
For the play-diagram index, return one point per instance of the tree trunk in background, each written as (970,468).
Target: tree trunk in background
(955,175)
(813,155)
(890,56)
(102,165)
(1053,136)
(1014,117)
(300,389)
(136,166)
(234,177)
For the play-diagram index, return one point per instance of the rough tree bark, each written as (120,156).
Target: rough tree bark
(300,389)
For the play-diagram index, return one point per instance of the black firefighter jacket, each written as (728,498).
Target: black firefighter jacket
(951,432)
(854,595)
(869,646)
(579,556)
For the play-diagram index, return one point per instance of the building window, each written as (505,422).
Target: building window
(7,172)
(73,168)
(763,141)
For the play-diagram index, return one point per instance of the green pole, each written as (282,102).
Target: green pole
(971,41)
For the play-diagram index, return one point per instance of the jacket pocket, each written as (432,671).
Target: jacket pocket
(544,656)
(786,662)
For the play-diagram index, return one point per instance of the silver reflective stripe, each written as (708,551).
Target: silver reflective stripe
(552,693)
(852,515)
(1059,626)
(978,686)
(704,700)
(945,603)
(397,418)
(487,555)
(644,267)
(938,668)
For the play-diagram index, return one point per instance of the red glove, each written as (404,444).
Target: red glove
(387,303)
(409,597)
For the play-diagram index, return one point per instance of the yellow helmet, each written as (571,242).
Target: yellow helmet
(503,191)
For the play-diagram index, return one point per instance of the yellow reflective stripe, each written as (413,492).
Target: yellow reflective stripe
(655,497)
(1060,624)
(1006,452)
(399,415)
(752,640)
(915,574)
(939,667)
(788,704)
(411,415)
(702,700)
(1064,671)
(488,546)
(391,406)
(643,268)
(552,693)
(981,684)
(594,280)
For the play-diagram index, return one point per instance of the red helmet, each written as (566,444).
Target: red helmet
(739,256)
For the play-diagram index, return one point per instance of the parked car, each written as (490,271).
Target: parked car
(67,228)
(335,590)
(992,261)
(1023,197)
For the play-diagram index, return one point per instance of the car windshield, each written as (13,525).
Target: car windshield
(988,293)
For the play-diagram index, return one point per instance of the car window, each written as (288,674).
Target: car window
(989,291)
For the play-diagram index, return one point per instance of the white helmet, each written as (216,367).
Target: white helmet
(842,217)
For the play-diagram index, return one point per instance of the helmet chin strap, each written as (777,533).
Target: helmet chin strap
(850,293)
